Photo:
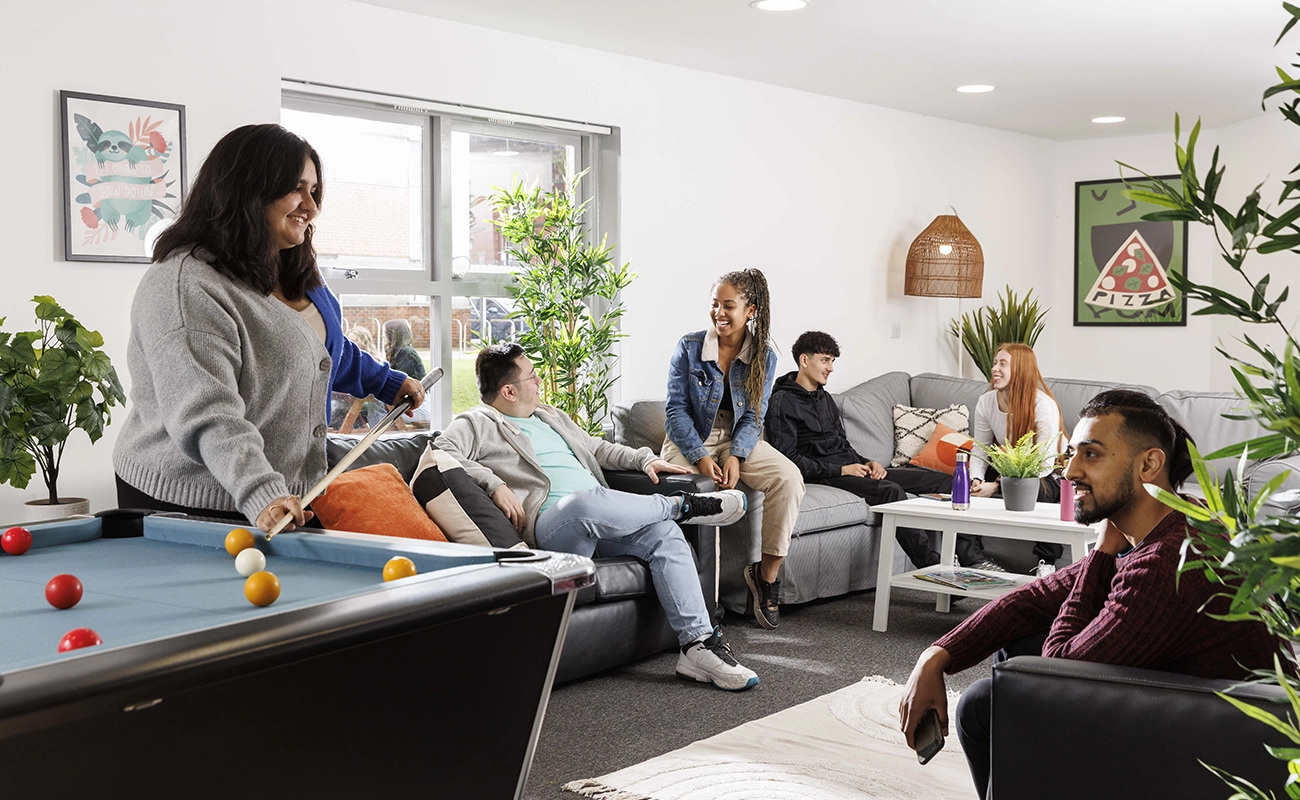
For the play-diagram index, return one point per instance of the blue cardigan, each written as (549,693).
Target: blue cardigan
(353,370)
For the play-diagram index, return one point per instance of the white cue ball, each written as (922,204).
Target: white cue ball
(250,560)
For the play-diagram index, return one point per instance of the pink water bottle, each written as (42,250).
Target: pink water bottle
(1067,500)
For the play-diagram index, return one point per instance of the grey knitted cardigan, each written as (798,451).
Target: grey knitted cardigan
(228,393)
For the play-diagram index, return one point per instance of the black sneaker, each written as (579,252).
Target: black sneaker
(767,605)
(712,508)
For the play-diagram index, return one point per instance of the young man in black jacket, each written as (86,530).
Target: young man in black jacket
(804,423)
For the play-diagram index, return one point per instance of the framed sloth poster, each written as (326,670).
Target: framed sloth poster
(123,174)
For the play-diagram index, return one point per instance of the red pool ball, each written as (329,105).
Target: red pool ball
(16,541)
(63,591)
(77,638)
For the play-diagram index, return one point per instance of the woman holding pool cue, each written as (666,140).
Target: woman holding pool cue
(236,344)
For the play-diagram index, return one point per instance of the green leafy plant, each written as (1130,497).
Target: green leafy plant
(1247,541)
(567,293)
(52,382)
(1013,321)
(1024,459)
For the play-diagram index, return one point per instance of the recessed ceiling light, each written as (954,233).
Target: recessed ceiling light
(975,88)
(778,5)
(1107,120)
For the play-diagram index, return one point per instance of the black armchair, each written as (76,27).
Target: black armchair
(1073,729)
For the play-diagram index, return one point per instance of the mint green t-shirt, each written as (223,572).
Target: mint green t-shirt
(563,469)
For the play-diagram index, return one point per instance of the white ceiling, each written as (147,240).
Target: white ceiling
(1056,63)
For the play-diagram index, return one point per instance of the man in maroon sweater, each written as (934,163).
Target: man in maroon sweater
(1122,604)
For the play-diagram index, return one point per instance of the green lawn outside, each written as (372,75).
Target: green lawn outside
(464,389)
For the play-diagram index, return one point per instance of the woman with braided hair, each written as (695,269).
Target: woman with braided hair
(719,383)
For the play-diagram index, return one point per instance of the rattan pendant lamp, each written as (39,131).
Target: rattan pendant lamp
(945,260)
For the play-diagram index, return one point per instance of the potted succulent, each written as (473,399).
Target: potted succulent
(52,381)
(1019,466)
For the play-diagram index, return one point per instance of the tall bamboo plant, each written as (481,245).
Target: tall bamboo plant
(567,294)
(1239,538)
(1013,321)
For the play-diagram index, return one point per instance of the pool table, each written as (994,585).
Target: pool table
(346,686)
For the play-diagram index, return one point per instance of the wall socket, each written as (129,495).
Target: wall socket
(895,330)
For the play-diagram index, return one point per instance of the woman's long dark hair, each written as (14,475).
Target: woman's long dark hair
(225,211)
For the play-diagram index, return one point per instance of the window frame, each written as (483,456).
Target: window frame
(597,152)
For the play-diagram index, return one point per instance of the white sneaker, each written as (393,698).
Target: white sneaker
(713,508)
(711,661)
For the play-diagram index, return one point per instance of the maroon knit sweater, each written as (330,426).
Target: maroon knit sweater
(1124,611)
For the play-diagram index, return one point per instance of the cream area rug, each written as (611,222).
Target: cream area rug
(841,746)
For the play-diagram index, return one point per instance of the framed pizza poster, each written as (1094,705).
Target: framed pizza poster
(1122,263)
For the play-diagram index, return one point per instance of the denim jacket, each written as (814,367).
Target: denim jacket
(695,392)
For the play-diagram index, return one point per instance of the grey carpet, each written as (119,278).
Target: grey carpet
(641,710)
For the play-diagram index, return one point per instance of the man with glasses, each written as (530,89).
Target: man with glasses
(545,474)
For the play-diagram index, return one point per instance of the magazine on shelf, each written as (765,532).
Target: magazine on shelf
(964,579)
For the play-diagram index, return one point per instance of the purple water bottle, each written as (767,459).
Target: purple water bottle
(1067,500)
(961,483)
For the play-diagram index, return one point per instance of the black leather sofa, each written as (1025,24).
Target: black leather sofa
(1072,729)
(618,618)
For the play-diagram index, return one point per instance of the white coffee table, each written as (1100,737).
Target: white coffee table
(985,517)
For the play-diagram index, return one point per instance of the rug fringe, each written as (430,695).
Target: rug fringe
(590,787)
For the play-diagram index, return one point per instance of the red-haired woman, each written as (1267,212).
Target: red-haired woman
(1018,401)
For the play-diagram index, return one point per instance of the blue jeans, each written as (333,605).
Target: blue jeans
(603,522)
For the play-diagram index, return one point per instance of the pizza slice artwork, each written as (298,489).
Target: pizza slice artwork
(1133,279)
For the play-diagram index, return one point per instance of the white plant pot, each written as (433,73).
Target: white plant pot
(41,510)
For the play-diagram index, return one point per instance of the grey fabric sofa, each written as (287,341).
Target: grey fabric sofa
(834,548)
(618,618)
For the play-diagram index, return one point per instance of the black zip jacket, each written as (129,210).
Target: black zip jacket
(806,427)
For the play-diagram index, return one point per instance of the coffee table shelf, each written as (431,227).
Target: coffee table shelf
(908,580)
(986,517)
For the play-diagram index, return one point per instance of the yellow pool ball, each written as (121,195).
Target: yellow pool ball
(262,588)
(398,567)
(238,540)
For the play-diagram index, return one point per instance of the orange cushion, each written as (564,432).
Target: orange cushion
(940,453)
(375,500)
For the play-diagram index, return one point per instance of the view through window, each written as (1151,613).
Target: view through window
(422,272)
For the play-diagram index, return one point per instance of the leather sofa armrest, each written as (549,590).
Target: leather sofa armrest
(702,539)
(1065,728)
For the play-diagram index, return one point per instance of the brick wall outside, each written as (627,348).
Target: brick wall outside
(366,316)
(360,219)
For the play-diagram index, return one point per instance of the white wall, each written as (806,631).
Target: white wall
(822,194)
(1163,357)
(1263,150)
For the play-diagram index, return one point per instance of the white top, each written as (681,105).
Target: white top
(311,315)
(990,426)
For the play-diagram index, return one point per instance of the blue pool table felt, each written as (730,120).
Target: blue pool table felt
(178,578)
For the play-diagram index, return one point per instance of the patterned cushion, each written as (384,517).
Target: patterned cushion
(457,505)
(940,453)
(913,427)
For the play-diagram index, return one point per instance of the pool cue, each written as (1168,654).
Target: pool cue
(346,461)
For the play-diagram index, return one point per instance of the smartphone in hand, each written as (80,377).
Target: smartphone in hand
(928,736)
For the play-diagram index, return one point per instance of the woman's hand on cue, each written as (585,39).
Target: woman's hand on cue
(280,506)
(410,388)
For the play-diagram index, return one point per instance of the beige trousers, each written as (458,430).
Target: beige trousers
(767,471)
